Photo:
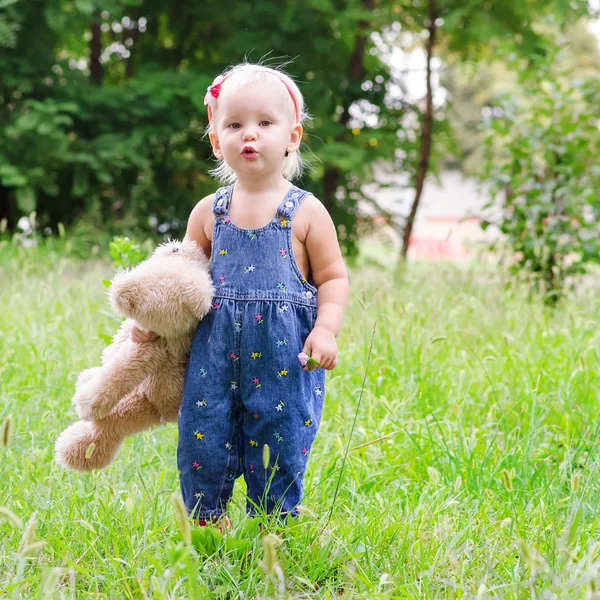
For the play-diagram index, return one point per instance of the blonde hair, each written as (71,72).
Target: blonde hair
(238,77)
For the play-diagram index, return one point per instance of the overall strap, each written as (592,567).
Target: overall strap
(222,200)
(292,202)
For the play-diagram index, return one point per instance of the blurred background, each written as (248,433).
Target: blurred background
(440,127)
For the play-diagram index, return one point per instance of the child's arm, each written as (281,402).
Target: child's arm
(331,278)
(198,229)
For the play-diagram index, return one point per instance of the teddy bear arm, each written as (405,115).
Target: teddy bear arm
(117,378)
(133,414)
(164,388)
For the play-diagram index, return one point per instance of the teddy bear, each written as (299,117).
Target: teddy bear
(140,386)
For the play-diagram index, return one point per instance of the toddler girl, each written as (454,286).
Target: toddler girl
(281,289)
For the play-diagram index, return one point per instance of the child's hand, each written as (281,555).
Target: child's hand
(321,346)
(139,336)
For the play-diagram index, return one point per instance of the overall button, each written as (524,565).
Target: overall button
(220,202)
(289,204)
(309,295)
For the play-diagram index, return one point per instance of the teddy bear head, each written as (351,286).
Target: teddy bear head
(168,292)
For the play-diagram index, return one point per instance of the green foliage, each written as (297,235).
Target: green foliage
(474,87)
(542,162)
(131,148)
(127,253)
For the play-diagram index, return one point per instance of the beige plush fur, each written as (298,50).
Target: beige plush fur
(139,386)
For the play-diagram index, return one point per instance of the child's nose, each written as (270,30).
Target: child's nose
(249,133)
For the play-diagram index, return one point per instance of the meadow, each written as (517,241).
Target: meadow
(486,485)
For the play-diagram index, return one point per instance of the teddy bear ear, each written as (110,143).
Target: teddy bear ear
(199,299)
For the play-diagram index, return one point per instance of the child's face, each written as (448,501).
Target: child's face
(259,116)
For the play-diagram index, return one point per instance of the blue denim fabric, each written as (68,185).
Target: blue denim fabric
(244,386)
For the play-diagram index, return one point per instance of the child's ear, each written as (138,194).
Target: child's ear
(214,142)
(295,138)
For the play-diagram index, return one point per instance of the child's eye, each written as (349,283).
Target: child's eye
(267,122)
(235,126)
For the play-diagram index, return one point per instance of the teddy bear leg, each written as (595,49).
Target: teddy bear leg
(90,445)
(82,447)
(117,378)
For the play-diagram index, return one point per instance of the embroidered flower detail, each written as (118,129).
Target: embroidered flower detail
(226,220)
(281,286)
(251,235)
(318,390)
(277,436)
(234,356)
(283,308)
(223,252)
(199,436)
(284,222)
(283,253)
(238,327)
(280,406)
(282,342)
(251,467)
(179,472)
(256,416)
(222,279)
(308,423)
(231,476)
(203,372)
(253,443)
(256,382)
(282,373)
(201,403)
(259,318)
(234,385)
(196,465)
(304,451)
(228,446)
(303,279)
(256,355)
(216,305)
(199,495)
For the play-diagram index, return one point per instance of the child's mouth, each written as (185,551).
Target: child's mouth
(249,153)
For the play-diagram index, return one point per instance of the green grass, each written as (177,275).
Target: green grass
(488,488)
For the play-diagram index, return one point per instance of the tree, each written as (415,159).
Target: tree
(459,32)
(103,110)
(542,162)
(474,88)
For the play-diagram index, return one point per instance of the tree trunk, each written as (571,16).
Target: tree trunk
(7,208)
(356,72)
(426,133)
(96,69)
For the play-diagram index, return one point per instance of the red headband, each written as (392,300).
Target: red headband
(214,89)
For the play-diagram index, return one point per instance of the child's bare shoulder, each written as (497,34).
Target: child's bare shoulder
(201,222)
(312,213)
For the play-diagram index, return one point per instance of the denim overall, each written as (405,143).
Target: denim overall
(244,386)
